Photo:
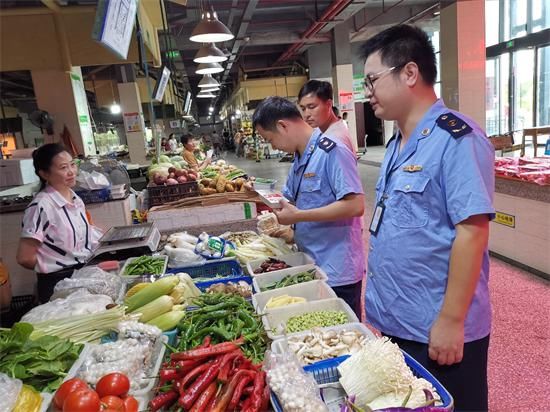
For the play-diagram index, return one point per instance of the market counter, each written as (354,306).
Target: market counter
(520,232)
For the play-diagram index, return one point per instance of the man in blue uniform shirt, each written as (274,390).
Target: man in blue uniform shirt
(428,264)
(326,194)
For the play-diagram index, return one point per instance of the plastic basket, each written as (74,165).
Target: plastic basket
(158,195)
(311,291)
(292,259)
(275,319)
(18,307)
(94,196)
(327,372)
(218,269)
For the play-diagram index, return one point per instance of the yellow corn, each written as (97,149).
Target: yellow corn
(135,289)
(167,321)
(163,286)
(155,308)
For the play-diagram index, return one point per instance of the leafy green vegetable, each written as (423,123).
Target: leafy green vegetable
(41,363)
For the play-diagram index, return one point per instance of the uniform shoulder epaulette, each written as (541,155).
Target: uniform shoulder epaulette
(453,124)
(326,144)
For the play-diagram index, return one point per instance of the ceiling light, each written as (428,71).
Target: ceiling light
(208,81)
(209,53)
(210,89)
(210,29)
(205,95)
(210,109)
(209,68)
(232,117)
(115,109)
(238,112)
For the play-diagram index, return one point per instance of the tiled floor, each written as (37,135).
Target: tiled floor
(519,354)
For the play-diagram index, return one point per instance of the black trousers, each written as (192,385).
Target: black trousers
(466,381)
(351,295)
(46,282)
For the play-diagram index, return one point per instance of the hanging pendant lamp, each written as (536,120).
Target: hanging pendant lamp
(205,95)
(209,53)
(208,81)
(209,68)
(210,29)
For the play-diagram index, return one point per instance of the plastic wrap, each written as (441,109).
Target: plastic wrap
(9,391)
(296,390)
(79,302)
(93,279)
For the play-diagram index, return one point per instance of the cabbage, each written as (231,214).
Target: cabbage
(164,159)
(156,169)
(176,159)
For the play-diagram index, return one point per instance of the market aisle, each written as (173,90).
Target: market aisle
(519,354)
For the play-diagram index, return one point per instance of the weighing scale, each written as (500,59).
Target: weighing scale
(123,242)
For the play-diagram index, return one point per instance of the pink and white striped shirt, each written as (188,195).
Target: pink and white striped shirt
(67,238)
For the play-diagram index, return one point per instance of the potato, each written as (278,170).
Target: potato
(229,187)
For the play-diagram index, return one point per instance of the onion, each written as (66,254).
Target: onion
(171,181)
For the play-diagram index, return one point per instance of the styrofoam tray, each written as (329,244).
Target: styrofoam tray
(311,291)
(132,278)
(153,369)
(281,345)
(46,401)
(292,259)
(259,281)
(275,320)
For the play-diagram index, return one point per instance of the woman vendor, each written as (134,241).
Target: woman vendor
(57,237)
(189,155)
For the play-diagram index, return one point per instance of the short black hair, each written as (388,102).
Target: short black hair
(402,44)
(321,89)
(336,111)
(185,138)
(271,110)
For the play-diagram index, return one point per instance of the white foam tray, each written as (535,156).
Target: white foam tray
(292,259)
(259,281)
(311,291)
(275,320)
(281,345)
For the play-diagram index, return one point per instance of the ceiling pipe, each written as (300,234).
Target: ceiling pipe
(335,8)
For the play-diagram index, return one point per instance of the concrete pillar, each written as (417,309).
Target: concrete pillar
(342,73)
(319,60)
(63,96)
(134,124)
(132,113)
(462,63)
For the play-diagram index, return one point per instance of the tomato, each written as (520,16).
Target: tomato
(65,389)
(116,384)
(112,402)
(82,400)
(131,404)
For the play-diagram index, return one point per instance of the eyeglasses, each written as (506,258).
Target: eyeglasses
(371,78)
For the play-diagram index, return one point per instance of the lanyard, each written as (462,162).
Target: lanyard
(297,192)
(389,171)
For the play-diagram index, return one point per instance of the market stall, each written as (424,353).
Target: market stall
(521,230)
(232,321)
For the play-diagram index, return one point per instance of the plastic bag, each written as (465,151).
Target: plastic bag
(9,391)
(296,390)
(80,302)
(94,280)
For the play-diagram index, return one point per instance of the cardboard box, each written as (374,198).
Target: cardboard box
(175,219)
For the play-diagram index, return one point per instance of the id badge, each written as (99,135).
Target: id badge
(377,217)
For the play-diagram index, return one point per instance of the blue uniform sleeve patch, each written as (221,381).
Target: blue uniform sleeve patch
(454,125)
(326,144)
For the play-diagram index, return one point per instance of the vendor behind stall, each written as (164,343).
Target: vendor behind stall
(57,237)
(189,155)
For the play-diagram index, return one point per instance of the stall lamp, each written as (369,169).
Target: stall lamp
(115,109)
(210,29)
(209,68)
(205,95)
(238,112)
(232,117)
(209,90)
(208,81)
(209,53)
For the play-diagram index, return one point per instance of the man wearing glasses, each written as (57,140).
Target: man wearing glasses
(428,263)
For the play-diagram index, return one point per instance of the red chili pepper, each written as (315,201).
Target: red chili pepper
(205,398)
(163,400)
(246,404)
(185,366)
(248,390)
(226,365)
(200,385)
(191,376)
(258,391)
(166,375)
(206,342)
(224,397)
(249,377)
(265,399)
(215,350)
